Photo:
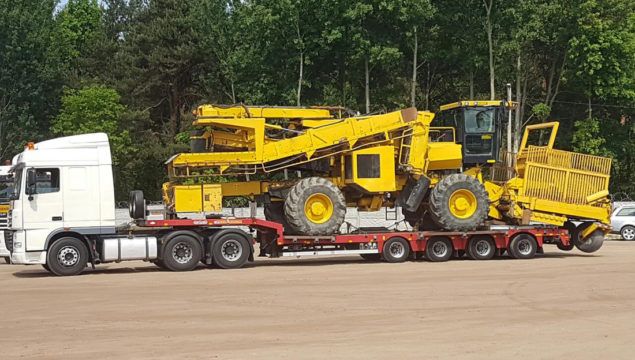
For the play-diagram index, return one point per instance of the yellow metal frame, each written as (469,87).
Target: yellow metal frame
(476,103)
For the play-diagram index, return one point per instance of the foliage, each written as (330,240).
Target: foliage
(136,68)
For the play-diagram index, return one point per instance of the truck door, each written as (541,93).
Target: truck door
(81,196)
(43,208)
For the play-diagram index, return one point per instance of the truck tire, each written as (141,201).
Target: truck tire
(439,249)
(137,205)
(396,250)
(274,211)
(67,256)
(628,233)
(315,206)
(481,248)
(230,250)
(591,243)
(181,253)
(459,203)
(523,246)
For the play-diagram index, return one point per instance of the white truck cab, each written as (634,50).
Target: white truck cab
(63,187)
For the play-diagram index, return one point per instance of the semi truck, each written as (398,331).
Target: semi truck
(62,216)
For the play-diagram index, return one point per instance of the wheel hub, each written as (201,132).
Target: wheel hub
(524,247)
(397,250)
(318,208)
(439,249)
(463,203)
(629,234)
(68,256)
(231,250)
(182,253)
(482,247)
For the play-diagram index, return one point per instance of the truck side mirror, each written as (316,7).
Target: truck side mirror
(31,183)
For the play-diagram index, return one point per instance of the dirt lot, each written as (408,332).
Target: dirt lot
(555,306)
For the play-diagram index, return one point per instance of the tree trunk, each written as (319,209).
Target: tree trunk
(233,92)
(488,29)
(413,84)
(367,84)
(300,78)
(471,84)
(519,100)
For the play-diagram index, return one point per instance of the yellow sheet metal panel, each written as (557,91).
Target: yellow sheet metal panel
(197,198)
(374,169)
(473,103)
(444,155)
(270,112)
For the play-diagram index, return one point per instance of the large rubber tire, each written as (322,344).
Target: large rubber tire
(439,249)
(137,205)
(67,256)
(523,246)
(181,253)
(481,248)
(396,250)
(325,195)
(420,220)
(230,250)
(274,211)
(628,233)
(447,203)
(591,243)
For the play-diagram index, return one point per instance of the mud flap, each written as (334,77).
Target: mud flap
(414,193)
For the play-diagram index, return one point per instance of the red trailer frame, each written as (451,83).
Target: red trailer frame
(366,242)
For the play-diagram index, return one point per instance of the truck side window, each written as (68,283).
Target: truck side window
(48,180)
(626,212)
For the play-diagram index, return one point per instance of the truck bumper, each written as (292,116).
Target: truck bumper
(31,257)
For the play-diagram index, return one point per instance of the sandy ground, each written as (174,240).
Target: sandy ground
(560,305)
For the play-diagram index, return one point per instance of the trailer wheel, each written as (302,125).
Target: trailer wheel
(439,249)
(482,248)
(591,243)
(371,257)
(67,256)
(315,206)
(181,253)
(459,203)
(230,250)
(523,246)
(396,250)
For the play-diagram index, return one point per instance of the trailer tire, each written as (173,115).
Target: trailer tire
(439,249)
(315,206)
(591,243)
(395,250)
(137,205)
(523,246)
(482,248)
(371,257)
(459,203)
(181,253)
(67,256)
(230,250)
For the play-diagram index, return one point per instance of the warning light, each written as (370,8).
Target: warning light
(30,146)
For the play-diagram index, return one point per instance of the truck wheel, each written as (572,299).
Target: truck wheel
(230,251)
(67,256)
(628,233)
(181,253)
(459,203)
(371,257)
(396,250)
(482,248)
(523,246)
(315,206)
(137,205)
(591,243)
(275,212)
(439,249)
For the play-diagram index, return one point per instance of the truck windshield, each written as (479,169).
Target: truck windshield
(6,187)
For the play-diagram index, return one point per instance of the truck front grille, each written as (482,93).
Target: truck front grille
(8,240)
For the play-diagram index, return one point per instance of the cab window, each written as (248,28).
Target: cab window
(48,181)
(479,120)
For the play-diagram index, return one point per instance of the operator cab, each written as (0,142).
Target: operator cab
(478,127)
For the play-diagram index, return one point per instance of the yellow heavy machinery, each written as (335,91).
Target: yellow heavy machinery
(391,159)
